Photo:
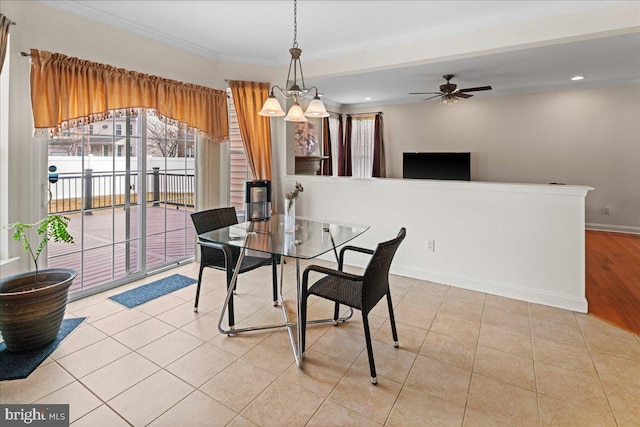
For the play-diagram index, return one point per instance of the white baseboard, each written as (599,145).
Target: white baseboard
(552,299)
(613,228)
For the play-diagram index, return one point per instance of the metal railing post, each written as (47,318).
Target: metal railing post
(88,191)
(156,186)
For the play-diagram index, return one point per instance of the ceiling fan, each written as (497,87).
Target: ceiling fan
(449,92)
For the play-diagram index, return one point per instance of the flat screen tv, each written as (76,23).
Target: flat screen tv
(454,166)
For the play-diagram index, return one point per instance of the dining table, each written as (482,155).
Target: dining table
(310,238)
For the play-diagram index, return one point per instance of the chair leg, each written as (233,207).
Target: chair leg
(392,320)
(367,336)
(195,307)
(303,318)
(274,275)
(230,307)
(336,314)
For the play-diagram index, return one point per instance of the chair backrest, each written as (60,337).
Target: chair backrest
(376,276)
(214,219)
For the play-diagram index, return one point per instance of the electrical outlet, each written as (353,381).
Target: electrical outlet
(606,210)
(430,245)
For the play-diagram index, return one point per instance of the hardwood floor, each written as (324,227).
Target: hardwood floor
(613,278)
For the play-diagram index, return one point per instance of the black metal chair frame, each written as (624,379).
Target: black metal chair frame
(362,292)
(225,257)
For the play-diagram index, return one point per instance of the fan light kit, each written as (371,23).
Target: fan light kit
(316,108)
(449,93)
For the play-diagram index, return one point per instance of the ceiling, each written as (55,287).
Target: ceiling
(261,32)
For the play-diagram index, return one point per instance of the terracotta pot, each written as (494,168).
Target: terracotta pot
(30,317)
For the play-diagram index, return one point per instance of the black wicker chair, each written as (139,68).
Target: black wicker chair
(225,257)
(361,292)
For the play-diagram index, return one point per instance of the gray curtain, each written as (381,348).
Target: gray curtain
(5,23)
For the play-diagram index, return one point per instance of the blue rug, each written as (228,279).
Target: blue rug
(15,366)
(153,290)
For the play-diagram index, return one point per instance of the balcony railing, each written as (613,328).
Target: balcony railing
(94,190)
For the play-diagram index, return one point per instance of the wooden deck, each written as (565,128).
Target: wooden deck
(105,247)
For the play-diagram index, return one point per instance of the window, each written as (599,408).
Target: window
(118,130)
(362,133)
(4,150)
(130,129)
(334,130)
(239,171)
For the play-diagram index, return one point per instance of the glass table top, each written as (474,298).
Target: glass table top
(310,239)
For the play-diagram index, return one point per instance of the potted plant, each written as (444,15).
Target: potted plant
(32,304)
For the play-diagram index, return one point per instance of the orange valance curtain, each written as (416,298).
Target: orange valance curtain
(73,91)
(255,130)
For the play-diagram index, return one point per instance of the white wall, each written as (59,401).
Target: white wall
(515,240)
(584,137)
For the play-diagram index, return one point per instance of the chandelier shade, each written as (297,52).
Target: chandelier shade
(295,91)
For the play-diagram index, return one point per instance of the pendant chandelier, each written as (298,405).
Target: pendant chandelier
(316,108)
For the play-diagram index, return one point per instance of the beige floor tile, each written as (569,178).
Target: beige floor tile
(575,358)
(414,408)
(240,421)
(100,310)
(197,409)
(120,321)
(340,344)
(320,373)
(43,381)
(355,325)
(461,309)
(477,419)
(200,365)
(623,344)
(93,357)
(204,327)
(505,340)
(567,333)
(439,379)
(170,347)
(391,362)
(617,371)
(180,315)
(356,392)
(509,305)
(85,302)
(504,402)
(466,295)
(419,316)
(456,327)
(424,295)
(571,386)
(143,333)
(557,412)
(551,314)
(273,354)
(449,350)
(80,400)
(333,415)
(111,380)
(162,304)
(505,367)
(135,406)
(625,403)
(283,401)
(409,337)
(401,281)
(83,336)
(238,384)
(241,343)
(505,320)
(101,417)
(435,289)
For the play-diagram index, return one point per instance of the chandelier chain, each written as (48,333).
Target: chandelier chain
(295,23)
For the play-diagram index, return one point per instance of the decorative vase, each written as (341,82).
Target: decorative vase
(289,215)
(30,315)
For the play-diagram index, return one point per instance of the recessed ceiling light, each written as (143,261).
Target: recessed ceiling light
(575,78)
(367,99)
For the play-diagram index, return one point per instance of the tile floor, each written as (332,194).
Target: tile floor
(465,359)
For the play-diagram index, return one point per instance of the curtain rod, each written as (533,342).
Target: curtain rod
(370,112)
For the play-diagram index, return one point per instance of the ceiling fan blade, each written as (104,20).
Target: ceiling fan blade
(431,97)
(462,95)
(424,93)
(475,89)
